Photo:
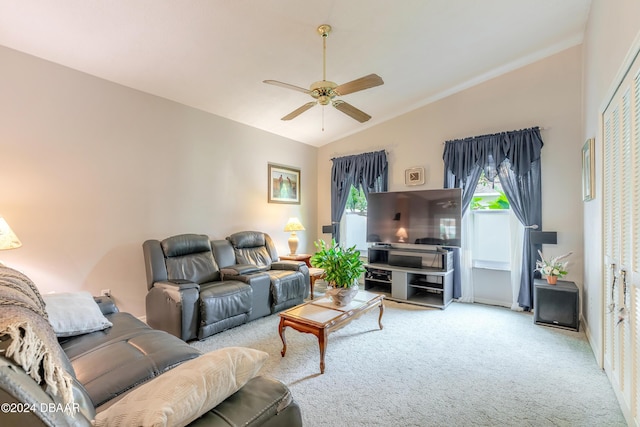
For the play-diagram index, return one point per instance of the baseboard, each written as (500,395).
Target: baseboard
(491,302)
(597,352)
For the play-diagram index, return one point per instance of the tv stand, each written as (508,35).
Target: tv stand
(414,275)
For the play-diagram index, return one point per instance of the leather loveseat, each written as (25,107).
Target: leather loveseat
(109,364)
(198,287)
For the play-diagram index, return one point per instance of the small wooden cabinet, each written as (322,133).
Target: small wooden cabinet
(556,305)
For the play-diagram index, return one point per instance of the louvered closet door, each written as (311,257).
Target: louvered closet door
(621,228)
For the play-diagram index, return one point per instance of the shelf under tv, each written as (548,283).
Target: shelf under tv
(427,286)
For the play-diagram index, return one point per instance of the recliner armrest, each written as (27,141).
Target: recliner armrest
(288,265)
(239,270)
(178,285)
(250,278)
(107,305)
(172,306)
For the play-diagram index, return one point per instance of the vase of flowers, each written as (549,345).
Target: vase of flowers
(553,269)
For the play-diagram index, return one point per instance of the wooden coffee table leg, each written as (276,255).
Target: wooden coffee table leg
(322,342)
(284,340)
(381,312)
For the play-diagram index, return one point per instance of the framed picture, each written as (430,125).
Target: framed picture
(284,184)
(588,170)
(414,176)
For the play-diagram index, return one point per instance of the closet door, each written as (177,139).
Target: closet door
(621,236)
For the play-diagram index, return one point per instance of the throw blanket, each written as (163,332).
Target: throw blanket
(34,345)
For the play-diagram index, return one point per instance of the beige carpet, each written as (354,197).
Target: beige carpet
(468,365)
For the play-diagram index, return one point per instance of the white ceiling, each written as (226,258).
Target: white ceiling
(214,54)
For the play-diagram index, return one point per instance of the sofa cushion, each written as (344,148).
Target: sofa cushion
(222,300)
(251,248)
(185,244)
(223,305)
(74,313)
(247,239)
(262,401)
(189,257)
(186,392)
(196,268)
(110,362)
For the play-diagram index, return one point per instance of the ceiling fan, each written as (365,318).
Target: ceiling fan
(325,92)
(449,204)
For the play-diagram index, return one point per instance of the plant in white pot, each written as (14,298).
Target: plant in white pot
(342,269)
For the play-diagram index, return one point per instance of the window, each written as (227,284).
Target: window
(491,229)
(353,225)
(489,195)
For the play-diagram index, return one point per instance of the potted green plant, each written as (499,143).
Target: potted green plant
(342,268)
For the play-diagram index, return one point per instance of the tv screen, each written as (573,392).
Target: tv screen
(425,217)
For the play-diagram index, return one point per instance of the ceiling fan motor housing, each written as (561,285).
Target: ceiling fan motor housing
(323,91)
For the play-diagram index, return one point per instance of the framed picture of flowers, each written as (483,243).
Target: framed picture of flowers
(588,170)
(284,184)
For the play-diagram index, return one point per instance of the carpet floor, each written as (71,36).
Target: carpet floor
(468,365)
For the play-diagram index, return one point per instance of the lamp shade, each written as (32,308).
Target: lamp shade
(401,234)
(294,224)
(8,239)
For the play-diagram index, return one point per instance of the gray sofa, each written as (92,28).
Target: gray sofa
(108,364)
(198,287)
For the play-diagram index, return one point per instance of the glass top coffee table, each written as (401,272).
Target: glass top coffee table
(321,317)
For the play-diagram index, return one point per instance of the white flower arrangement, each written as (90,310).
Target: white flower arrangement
(553,266)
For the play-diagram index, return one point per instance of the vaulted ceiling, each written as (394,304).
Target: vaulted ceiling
(214,54)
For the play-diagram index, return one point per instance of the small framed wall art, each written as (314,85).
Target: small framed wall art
(284,184)
(588,170)
(414,176)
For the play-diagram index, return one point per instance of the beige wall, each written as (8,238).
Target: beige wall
(610,32)
(91,169)
(546,94)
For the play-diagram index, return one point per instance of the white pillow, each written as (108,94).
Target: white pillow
(74,313)
(186,392)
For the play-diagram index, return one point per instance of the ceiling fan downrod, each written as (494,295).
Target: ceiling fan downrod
(324,31)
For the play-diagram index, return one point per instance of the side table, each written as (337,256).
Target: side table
(314,273)
(556,305)
(297,257)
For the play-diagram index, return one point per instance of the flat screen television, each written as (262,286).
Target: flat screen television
(424,217)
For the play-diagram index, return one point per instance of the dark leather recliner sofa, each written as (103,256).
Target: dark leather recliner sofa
(198,287)
(108,364)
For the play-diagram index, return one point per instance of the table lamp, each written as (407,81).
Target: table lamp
(401,234)
(293,225)
(8,239)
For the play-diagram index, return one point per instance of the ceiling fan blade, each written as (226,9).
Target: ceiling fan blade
(351,111)
(287,86)
(297,112)
(366,82)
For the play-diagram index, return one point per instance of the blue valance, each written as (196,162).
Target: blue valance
(520,147)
